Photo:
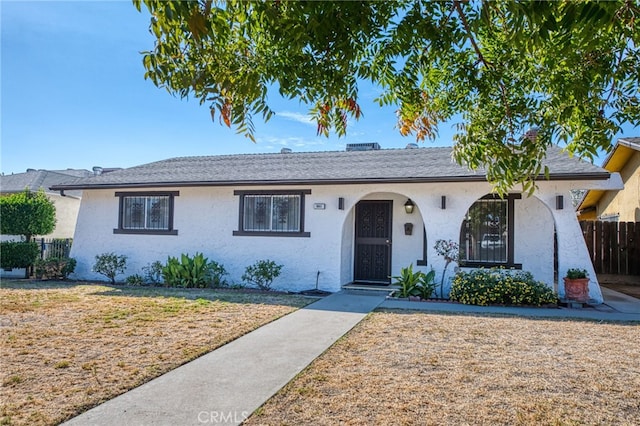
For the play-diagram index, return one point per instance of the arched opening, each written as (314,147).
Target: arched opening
(487,232)
(379,237)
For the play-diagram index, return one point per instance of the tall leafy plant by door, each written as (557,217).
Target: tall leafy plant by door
(450,250)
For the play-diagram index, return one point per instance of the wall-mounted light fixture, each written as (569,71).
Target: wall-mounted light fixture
(443,202)
(340,203)
(559,202)
(408,206)
(408,228)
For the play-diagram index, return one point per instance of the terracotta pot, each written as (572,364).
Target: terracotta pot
(576,289)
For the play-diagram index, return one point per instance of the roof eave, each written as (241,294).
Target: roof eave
(629,144)
(436,179)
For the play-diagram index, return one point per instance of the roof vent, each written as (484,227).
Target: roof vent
(411,146)
(370,146)
(286,151)
(97,171)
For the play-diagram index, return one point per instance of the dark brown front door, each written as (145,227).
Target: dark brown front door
(373,242)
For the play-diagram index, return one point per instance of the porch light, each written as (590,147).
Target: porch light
(559,202)
(408,206)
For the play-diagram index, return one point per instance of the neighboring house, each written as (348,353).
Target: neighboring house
(617,205)
(339,217)
(66,205)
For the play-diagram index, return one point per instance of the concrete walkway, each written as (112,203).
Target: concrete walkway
(227,385)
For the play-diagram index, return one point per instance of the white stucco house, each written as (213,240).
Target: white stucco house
(340,214)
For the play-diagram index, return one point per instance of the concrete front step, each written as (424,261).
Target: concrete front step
(369,289)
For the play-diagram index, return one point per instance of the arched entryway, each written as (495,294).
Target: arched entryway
(379,238)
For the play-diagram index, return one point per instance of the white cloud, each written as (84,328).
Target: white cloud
(299,144)
(296,116)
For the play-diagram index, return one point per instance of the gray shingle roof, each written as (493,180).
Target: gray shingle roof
(633,143)
(36,179)
(388,165)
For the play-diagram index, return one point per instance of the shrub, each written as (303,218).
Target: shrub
(262,273)
(135,279)
(153,273)
(217,272)
(415,283)
(427,284)
(18,254)
(194,271)
(110,265)
(500,286)
(408,281)
(55,268)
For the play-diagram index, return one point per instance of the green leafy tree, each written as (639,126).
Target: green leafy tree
(27,213)
(516,76)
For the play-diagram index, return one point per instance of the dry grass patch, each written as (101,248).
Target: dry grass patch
(433,369)
(66,348)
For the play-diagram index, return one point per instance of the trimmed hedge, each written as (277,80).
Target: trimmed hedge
(500,287)
(18,254)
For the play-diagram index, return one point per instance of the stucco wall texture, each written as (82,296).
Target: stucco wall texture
(205,218)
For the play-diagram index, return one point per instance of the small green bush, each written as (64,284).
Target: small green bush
(135,280)
(55,268)
(196,271)
(217,272)
(153,273)
(262,273)
(500,287)
(18,254)
(110,265)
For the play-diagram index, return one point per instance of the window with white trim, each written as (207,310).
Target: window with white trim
(273,213)
(146,213)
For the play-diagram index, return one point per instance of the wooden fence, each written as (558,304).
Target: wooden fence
(614,247)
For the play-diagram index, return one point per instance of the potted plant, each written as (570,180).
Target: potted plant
(576,285)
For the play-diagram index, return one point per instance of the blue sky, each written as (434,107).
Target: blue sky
(73,95)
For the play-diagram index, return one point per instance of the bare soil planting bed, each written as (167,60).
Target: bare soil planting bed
(68,347)
(405,368)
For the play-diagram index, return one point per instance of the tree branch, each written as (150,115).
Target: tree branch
(463,18)
(614,82)
(503,89)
